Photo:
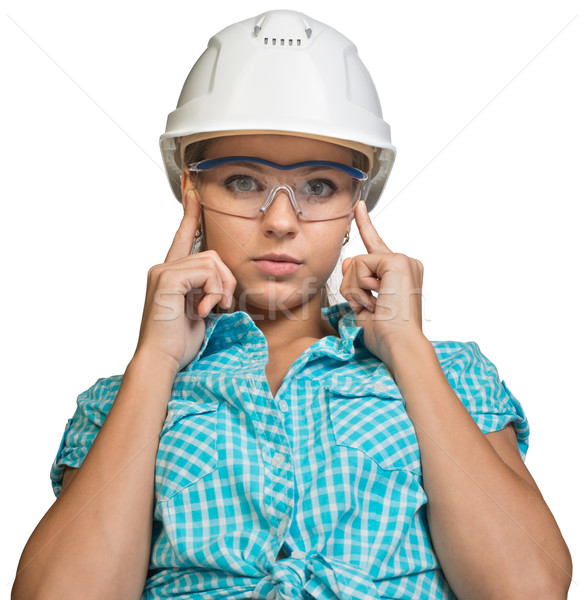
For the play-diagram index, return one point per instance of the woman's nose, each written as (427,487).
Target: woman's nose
(280,216)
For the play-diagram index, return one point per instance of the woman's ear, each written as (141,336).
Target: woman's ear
(186,184)
(186,179)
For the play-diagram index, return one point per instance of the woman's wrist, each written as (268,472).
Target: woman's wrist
(404,350)
(153,364)
(150,367)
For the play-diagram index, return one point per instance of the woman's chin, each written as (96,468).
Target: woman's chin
(275,297)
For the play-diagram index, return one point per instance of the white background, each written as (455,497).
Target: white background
(485,103)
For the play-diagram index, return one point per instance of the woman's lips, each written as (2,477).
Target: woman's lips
(277,267)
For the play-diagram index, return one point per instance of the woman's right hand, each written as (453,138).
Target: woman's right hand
(181,292)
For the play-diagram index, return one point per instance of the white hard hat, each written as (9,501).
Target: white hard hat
(281,72)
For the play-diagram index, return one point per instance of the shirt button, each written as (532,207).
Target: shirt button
(283,406)
(278,460)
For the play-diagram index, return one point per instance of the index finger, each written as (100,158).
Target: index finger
(371,239)
(185,235)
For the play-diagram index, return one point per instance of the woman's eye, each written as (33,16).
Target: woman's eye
(242,184)
(320,187)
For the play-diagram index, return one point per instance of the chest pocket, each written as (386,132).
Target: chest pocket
(371,418)
(187,451)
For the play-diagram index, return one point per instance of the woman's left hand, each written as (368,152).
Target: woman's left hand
(396,314)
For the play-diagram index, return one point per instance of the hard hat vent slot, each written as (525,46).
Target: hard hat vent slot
(282,42)
(283,25)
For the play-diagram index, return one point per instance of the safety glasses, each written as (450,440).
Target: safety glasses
(245,186)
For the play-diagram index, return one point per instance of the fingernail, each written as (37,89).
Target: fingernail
(229,300)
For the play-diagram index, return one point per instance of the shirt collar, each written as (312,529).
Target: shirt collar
(225,329)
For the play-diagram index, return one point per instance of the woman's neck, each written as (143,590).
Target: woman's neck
(286,326)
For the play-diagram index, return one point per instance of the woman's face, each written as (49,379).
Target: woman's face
(241,242)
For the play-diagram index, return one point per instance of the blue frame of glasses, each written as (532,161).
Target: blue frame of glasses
(210,163)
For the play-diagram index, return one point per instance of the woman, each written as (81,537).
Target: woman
(260,443)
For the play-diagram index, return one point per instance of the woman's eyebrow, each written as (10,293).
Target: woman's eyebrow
(313,168)
(307,169)
(252,166)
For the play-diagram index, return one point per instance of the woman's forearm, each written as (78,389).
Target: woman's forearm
(491,529)
(94,542)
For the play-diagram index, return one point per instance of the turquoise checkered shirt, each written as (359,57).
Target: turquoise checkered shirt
(329,468)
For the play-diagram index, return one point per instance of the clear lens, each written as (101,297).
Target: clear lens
(317,190)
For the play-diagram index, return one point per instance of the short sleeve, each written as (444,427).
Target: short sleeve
(93,406)
(475,380)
